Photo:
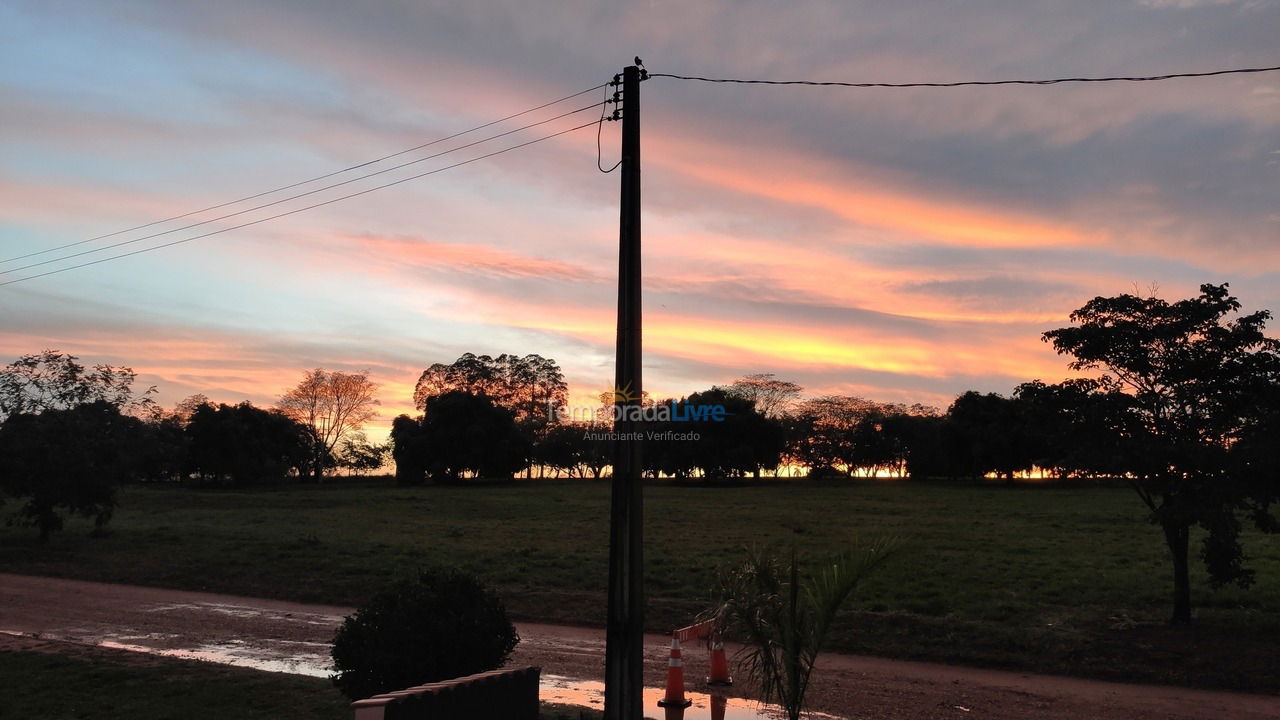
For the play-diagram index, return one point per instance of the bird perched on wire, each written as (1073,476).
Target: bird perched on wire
(639,62)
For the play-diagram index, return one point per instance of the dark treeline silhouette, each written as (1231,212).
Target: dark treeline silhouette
(70,435)
(1181,401)
(1183,404)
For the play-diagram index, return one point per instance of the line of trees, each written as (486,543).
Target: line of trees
(1179,399)
(71,435)
(768,428)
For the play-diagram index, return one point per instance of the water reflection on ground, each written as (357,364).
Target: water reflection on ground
(242,654)
(312,659)
(590,693)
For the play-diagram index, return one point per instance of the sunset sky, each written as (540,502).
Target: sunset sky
(899,244)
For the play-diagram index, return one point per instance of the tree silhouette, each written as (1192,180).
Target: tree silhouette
(409,450)
(529,387)
(69,459)
(770,396)
(244,444)
(333,405)
(744,442)
(995,430)
(357,454)
(1197,384)
(53,380)
(466,433)
(840,434)
(561,448)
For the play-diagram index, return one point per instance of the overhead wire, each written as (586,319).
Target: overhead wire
(307,181)
(599,130)
(604,107)
(301,209)
(293,197)
(964,83)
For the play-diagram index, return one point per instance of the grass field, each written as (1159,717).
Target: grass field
(107,685)
(96,684)
(1067,580)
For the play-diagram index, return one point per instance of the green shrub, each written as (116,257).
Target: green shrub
(438,625)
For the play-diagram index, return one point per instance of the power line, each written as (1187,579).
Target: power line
(302,209)
(309,180)
(294,197)
(604,107)
(964,83)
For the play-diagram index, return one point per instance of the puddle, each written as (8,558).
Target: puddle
(312,659)
(231,654)
(246,611)
(287,656)
(590,693)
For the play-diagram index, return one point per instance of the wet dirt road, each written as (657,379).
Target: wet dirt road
(291,637)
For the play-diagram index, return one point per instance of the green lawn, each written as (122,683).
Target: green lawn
(112,685)
(108,685)
(1054,579)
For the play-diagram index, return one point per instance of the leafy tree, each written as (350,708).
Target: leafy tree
(409,450)
(678,459)
(924,442)
(770,396)
(53,380)
(905,439)
(1071,427)
(466,433)
(1198,383)
(874,447)
(439,625)
(244,444)
(782,614)
(994,428)
(743,442)
(475,374)
(185,407)
(160,449)
(560,448)
(70,459)
(1254,459)
(357,454)
(841,434)
(821,434)
(528,387)
(594,453)
(333,405)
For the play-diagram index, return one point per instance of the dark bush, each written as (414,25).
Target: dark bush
(438,625)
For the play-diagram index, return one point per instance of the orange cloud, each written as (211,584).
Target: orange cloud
(809,182)
(482,259)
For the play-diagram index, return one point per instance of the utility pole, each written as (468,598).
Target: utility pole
(624,640)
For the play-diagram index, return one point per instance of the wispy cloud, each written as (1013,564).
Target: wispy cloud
(902,245)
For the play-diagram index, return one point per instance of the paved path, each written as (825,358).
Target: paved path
(292,637)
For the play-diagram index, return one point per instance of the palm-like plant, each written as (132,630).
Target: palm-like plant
(782,615)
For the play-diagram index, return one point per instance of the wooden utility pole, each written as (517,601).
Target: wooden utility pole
(624,641)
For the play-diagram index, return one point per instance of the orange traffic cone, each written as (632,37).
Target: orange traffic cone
(719,664)
(675,679)
(719,704)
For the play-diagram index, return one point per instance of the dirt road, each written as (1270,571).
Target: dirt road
(291,637)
